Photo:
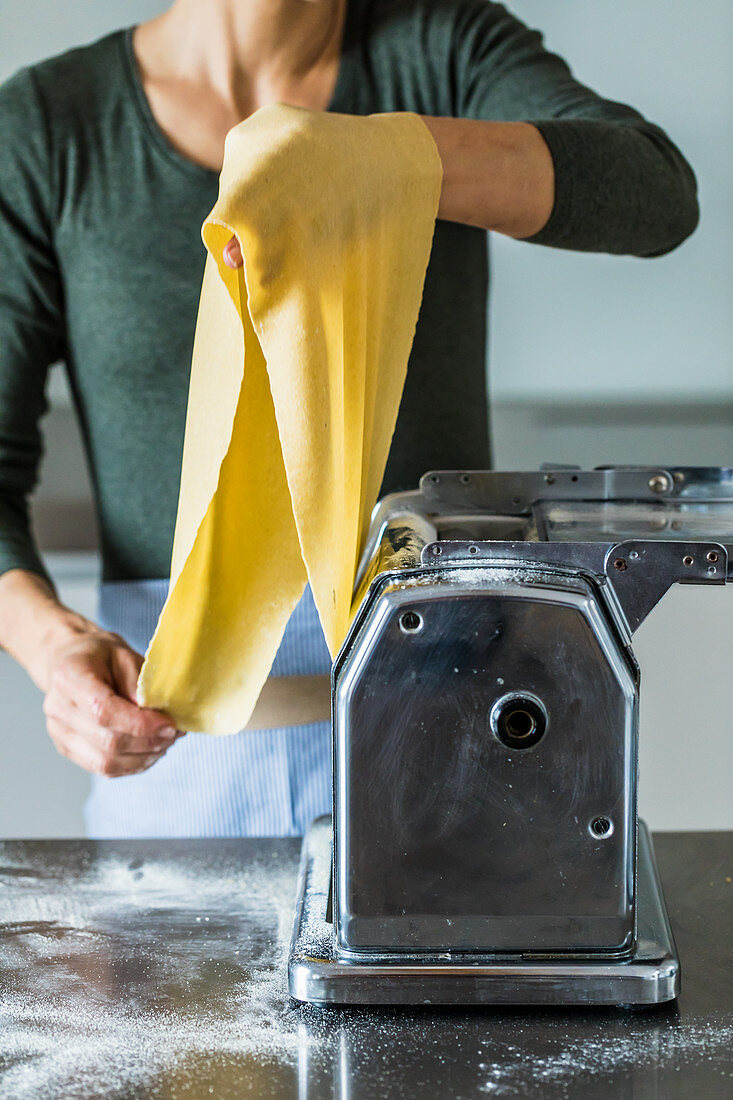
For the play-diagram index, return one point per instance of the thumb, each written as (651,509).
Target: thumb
(126,665)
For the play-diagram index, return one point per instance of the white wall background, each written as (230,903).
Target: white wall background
(576,326)
(573,338)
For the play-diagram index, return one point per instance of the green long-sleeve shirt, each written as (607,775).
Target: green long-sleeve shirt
(101,256)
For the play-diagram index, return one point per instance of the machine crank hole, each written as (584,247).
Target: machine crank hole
(601,827)
(410,622)
(518,720)
(520,723)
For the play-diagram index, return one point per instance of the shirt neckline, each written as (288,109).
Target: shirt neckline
(160,139)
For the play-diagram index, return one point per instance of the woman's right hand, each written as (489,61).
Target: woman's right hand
(91,709)
(88,676)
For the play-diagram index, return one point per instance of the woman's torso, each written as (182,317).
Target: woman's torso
(127,237)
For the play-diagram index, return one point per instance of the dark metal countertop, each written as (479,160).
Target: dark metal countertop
(141,969)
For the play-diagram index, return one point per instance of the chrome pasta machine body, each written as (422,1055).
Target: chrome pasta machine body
(485,846)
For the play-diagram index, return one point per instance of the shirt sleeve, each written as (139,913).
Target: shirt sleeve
(621,185)
(31,312)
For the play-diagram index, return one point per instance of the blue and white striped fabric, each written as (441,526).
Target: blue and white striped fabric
(256,783)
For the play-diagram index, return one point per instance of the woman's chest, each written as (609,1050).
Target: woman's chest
(130,252)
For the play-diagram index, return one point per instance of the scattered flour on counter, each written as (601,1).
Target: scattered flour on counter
(136,978)
(122,976)
(670,1042)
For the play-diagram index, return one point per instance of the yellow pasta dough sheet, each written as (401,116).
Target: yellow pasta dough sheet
(298,367)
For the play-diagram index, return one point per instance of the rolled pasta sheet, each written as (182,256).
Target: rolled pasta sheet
(298,367)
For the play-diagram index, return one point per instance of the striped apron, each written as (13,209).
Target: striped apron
(255,783)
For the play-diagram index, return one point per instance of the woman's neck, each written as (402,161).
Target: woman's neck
(248,52)
(206,65)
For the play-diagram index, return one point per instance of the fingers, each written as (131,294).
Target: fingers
(92,713)
(126,665)
(108,741)
(233,254)
(109,710)
(92,758)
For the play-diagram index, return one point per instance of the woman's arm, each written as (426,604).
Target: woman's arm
(87,675)
(621,185)
(528,150)
(496,175)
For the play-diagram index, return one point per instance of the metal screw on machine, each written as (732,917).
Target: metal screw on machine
(660,483)
(411,622)
(601,827)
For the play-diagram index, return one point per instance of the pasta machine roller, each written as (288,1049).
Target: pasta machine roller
(485,846)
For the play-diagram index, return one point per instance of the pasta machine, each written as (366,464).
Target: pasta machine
(485,846)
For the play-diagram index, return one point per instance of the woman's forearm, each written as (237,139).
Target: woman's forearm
(33,622)
(496,175)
